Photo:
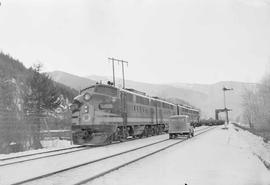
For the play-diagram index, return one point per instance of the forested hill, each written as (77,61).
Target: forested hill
(11,68)
(30,101)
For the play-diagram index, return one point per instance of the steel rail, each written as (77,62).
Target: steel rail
(101,159)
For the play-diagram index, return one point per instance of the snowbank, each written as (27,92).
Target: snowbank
(56,143)
(257,145)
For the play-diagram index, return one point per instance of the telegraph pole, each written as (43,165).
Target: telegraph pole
(123,70)
(225,108)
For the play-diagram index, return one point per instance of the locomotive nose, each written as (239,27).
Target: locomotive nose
(77,103)
(75,106)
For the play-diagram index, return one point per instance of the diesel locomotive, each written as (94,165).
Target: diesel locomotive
(103,113)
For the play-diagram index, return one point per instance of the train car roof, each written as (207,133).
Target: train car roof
(157,99)
(146,96)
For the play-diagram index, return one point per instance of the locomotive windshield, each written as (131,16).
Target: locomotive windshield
(89,89)
(111,91)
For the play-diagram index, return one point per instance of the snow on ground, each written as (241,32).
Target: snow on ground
(256,144)
(220,157)
(22,171)
(47,144)
(217,157)
(56,143)
(52,145)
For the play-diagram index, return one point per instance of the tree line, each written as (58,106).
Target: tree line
(256,106)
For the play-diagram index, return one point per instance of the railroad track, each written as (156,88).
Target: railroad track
(52,153)
(102,166)
(40,155)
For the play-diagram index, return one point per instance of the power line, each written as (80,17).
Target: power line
(112,60)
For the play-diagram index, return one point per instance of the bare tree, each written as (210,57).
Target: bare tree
(264,94)
(249,107)
(256,105)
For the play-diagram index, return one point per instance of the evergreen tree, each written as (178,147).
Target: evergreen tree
(41,99)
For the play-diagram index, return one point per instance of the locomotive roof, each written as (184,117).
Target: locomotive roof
(141,95)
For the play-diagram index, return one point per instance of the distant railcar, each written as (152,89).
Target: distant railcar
(211,122)
(104,113)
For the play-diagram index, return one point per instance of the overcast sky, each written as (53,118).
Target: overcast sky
(190,41)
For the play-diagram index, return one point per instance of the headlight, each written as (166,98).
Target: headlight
(87,96)
(86,109)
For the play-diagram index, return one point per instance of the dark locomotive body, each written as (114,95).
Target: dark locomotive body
(103,113)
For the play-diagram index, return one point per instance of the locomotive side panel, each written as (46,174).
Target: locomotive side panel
(103,113)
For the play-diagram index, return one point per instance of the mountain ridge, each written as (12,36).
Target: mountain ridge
(207,97)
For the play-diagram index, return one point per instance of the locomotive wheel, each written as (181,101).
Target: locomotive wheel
(159,130)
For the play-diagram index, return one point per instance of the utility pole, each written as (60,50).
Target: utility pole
(225,108)
(123,70)
(113,60)
(123,97)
